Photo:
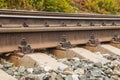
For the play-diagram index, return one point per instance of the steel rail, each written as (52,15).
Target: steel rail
(44,13)
(51,27)
(54,21)
(53,17)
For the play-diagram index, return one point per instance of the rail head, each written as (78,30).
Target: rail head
(60,14)
(57,17)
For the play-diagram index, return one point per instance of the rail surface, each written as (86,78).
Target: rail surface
(46,29)
(43,13)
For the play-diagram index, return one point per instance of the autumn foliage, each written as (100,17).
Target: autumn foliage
(70,6)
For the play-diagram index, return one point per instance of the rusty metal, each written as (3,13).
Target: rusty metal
(64,43)
(116,39)
(63,24)
(92,24)
(78,24)
(54,21)
(24,47)
(47,25)
(93,41)
(0,25)
(40,38)
(113,24)
(25,25)
(103,24)
(50,27)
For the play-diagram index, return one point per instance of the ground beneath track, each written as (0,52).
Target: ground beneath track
(80,63)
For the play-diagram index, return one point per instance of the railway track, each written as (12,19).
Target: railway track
(45,30)
(64,35)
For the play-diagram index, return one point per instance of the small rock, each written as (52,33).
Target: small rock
(98,64)
(115,77)
(21,69)
(1,66)
(68,72)
(108,71)
(10,72)
(96,73)
(15,73)
(14,68)
(46,77)
(30,70)
(114,57)
(47,68)
(29,78)
(117,73)
(82,77)
(8,65)
(99,54)
(69,77)
(38,71)
(76,59)
(59,76)
(62,68)
(106,78)
(118,79)
(22,78)
(80,71)
(53,75)
(115,63)
(40,76)
(75,77)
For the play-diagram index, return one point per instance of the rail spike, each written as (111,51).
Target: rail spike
(24,47)
(46,24)
(93,41)
(63,24)
(78,24)
(103,24)
(25,25)
(0,25)
(64,43)
(92,24)
(116,39)
(113,24)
